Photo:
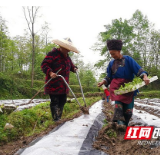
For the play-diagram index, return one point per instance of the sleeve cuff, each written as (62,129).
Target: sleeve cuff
(48,71)
(142,75)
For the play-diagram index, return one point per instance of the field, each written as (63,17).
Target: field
(109,138)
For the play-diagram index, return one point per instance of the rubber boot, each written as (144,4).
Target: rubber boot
(127,117)
(63,100)
(118,115)
(60,111)
(54,111)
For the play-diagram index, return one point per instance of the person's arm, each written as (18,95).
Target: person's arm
(107,80)
(139,71)
(73,67)
(45,65)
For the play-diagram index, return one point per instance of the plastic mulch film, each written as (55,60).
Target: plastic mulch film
(72,138)
(23,103)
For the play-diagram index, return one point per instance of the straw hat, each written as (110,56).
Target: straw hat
(66,43)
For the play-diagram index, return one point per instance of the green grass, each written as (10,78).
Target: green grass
(35,120)
(105,123)
(111,133)
(149,94)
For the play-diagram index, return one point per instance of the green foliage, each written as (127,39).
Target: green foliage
(48,48)
(89,79)
(148,94)
(102,75)
(14,88)
(140,41)
(131,86)
(23,121)
(111,133)
(105,123)
(119,29)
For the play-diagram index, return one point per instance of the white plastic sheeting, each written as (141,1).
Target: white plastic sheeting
(155,107)
(68,139)
(145,118)
(22,103)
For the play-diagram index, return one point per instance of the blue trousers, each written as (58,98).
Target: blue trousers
(107,98)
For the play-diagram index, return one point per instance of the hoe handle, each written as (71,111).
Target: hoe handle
(43,86)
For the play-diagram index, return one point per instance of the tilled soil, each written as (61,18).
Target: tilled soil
(111,139)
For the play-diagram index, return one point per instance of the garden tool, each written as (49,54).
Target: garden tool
(83,109)
(81,87)
(43,87)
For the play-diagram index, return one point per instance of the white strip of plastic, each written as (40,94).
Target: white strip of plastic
(68,139)
(145,118)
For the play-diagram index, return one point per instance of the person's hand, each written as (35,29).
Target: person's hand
(75,69)
(146,79)
(53,75)
(101,83)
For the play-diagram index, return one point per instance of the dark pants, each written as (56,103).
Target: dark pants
(57,104)
(123,112)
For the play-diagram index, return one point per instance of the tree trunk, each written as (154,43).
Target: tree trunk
(33,52)
(33,60)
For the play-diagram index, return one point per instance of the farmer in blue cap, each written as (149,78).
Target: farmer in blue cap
(119,71)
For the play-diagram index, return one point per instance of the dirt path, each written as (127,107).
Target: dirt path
(111,138)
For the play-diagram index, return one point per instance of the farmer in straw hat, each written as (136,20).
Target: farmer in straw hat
(56,88)
(119,71)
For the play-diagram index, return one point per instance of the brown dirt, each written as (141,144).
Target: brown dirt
(85,110)
(116,145)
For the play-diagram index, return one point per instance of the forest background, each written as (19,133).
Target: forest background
(21,56)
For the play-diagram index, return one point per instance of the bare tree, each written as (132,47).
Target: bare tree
(45,32)
(32,15)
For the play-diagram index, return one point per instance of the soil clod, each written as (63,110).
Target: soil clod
(85,110)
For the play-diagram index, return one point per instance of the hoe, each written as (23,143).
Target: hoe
(84,108)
